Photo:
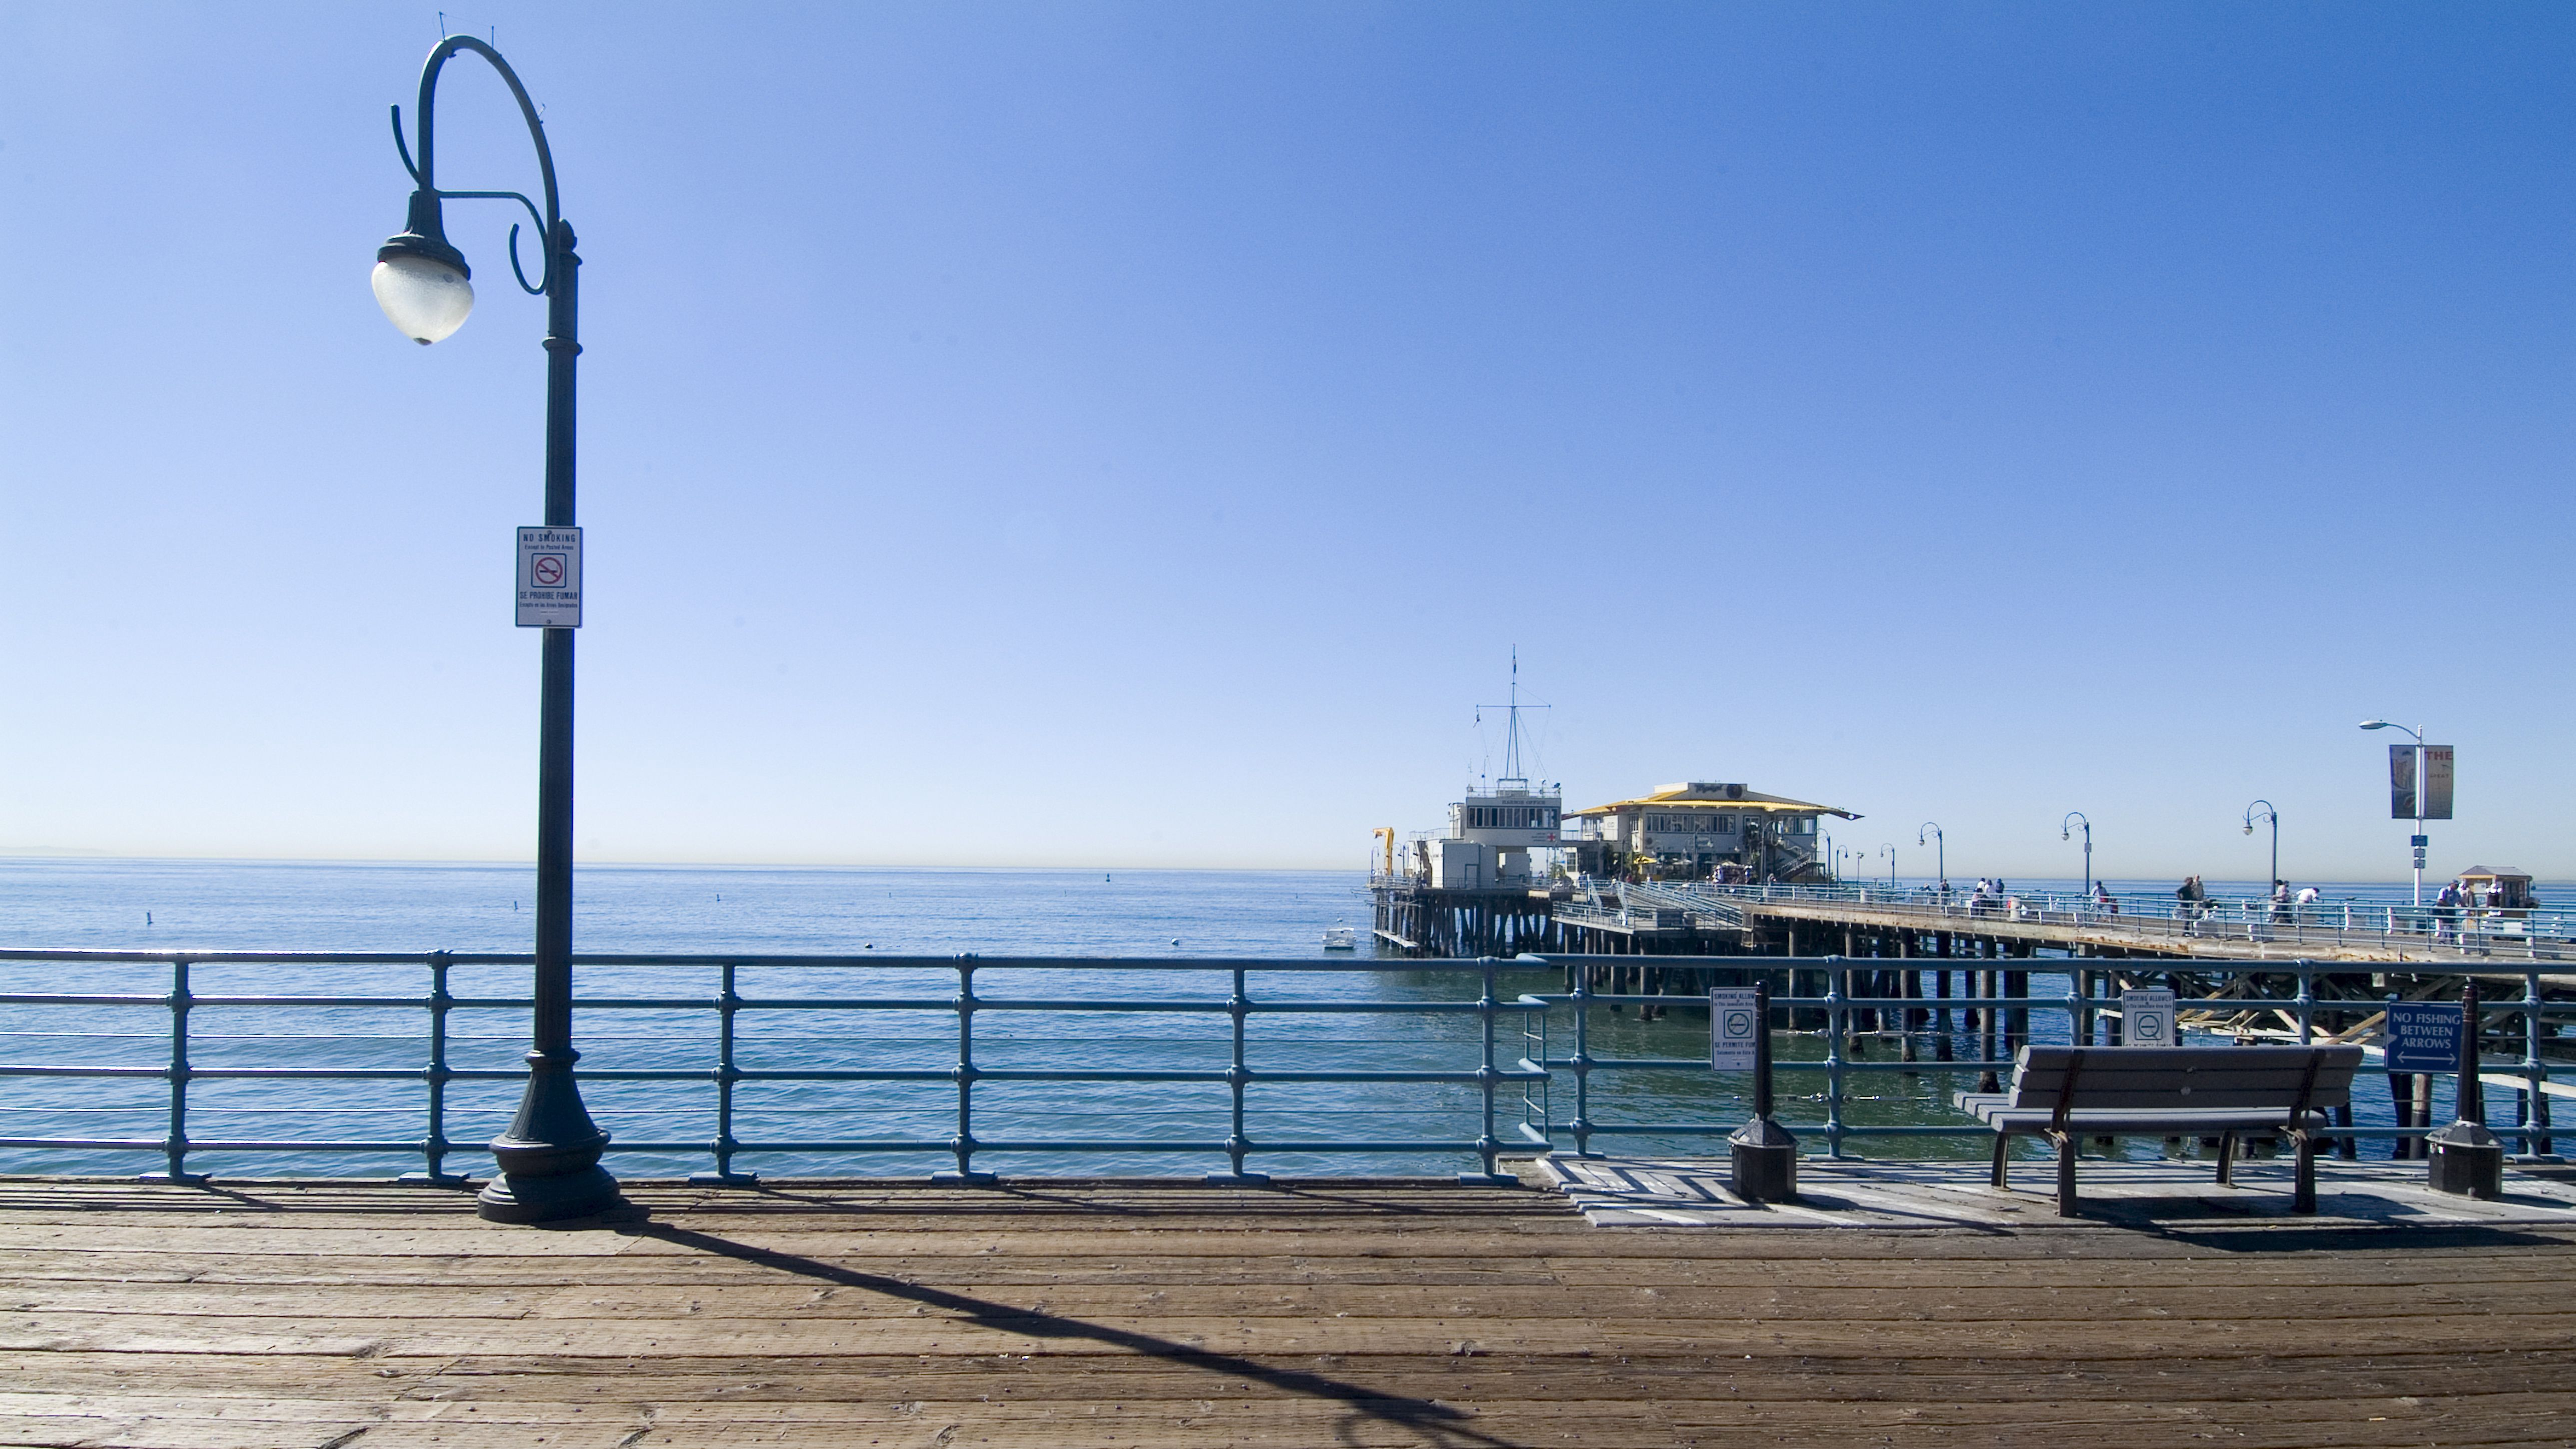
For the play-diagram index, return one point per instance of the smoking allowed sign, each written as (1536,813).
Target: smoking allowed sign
(549,578)
(1734,1030)
(2147,1016)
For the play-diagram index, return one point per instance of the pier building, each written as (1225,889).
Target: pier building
(1482,885)
(1700,830)
(1492,836)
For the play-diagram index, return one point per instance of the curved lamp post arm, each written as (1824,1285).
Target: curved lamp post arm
(427,234)
(1940,846)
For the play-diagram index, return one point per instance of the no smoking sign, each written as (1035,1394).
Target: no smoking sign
(549,578)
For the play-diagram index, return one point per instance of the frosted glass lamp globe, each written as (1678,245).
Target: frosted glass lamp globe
(423,298)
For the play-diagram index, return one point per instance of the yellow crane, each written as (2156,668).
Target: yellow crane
(1387,834)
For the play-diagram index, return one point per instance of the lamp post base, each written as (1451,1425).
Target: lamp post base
(548,1162)
(2468,1161)
(509,1198)
(1764,1162)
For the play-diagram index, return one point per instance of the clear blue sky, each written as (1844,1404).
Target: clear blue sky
(1138,434)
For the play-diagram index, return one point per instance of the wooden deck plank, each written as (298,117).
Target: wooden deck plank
(2432,1296)
(1390,1315)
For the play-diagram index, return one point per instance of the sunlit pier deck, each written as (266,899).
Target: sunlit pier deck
(1817,924)
(1049,1314)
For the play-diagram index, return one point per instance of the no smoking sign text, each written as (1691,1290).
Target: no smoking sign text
(549,578)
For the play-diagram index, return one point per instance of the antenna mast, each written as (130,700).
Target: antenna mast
(1512,728)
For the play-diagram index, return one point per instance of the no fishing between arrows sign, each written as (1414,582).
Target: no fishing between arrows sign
(2423,1036)
(550,578)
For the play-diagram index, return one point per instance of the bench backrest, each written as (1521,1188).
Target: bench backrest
(2214,1077)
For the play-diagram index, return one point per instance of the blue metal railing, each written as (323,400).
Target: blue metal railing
(2002,1024)
(1450,1025)
(1243,1074)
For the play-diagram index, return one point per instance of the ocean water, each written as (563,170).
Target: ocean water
(1157,915)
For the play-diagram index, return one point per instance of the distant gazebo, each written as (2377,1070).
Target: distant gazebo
(2498,886)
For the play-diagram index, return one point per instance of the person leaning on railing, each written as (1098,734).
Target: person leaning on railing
(2193,898)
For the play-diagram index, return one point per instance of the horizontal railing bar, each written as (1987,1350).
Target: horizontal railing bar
(45,998)
(870,962)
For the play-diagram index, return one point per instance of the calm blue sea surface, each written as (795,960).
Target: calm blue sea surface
(1161,915)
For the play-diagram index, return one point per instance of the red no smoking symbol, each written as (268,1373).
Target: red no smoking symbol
(548,570)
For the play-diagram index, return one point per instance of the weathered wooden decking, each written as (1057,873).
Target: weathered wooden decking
(1052,1315)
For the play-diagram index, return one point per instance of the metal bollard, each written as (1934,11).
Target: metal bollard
(2468,1160)
(1765,1166)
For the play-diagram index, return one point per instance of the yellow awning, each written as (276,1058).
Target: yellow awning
(1768,804)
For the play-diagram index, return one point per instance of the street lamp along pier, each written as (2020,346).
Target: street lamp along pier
(2418,841)
(549,1157)
(2267,812)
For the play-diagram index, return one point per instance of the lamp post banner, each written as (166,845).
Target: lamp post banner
(549,578)
(2437,782)
(2401,782)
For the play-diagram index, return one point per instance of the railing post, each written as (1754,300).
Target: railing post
(1238,1143)
(1834,1023)
(2307,1001)
(964,1074)
(726,1074)
(1488,1077)
(1989,983)
(435,1147)
(1582,1061)
(2535,1072)
(175,1145)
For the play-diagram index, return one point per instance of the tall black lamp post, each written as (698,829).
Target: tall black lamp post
(2262,810)
(2066,831)
(549,1158)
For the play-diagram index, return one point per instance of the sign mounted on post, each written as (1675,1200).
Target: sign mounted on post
(549,578)
(1734,1030)
(2147,1017)
(2401,782)
(2423,1036)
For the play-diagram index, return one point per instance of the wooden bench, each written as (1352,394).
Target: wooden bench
(2067,1094)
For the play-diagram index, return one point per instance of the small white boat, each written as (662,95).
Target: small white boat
(1339,937)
